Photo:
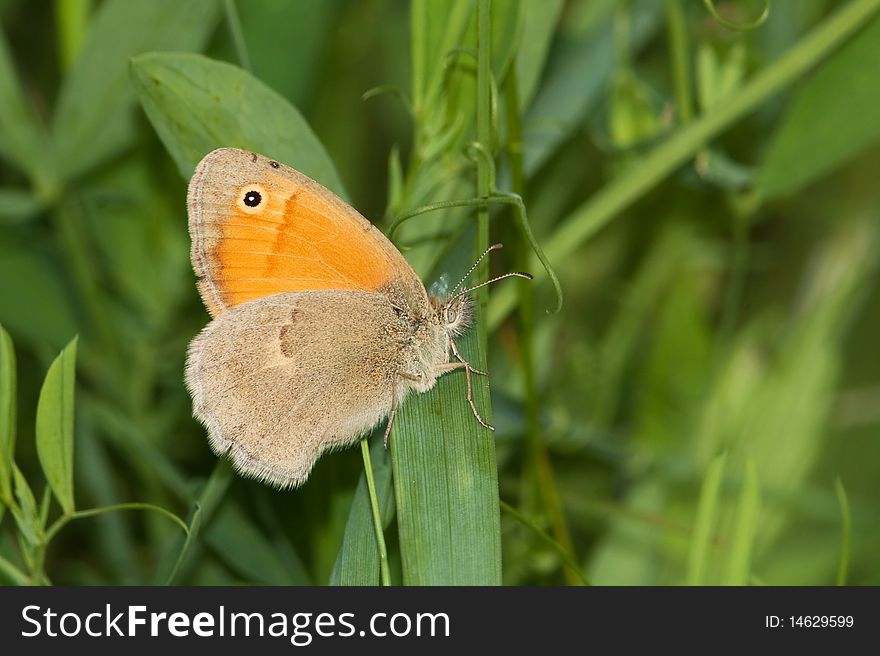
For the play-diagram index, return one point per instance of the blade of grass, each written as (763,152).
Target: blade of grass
(845,532)
(707,511)
(385,575)
(743,537)
(445,473)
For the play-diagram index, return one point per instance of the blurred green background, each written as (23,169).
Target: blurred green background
(705,409)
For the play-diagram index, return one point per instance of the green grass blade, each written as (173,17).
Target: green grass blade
(743,537)
(357,562)
(446,485)
(845,530)
(704,525)
(54,430)
(197,104)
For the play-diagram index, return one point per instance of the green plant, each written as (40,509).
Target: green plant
(701,411)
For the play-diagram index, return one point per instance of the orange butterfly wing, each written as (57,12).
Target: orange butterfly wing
(259,228)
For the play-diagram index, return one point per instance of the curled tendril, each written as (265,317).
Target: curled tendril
(477,151)
(389,89)
(738,27)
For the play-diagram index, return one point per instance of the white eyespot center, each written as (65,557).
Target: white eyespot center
(252,198)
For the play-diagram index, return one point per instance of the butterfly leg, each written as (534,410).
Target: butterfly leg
(393,413)
(468,369)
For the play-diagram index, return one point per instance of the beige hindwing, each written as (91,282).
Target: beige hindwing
(279,380)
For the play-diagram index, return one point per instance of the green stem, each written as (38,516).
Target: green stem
(237,34)
(377,516)
(71,20)
(625,190)
(62,521)
(484,138)
(538,460)
(736,286)
(680,60)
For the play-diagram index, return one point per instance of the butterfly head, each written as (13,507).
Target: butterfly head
(454,313)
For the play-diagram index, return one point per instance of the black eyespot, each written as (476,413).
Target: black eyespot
(451,316)
(274,165)
(252,198)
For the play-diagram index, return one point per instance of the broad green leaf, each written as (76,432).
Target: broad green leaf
(54,431)
(93,120)
(22,138)
(705,522)
(829,121)
(357,562)
(742,538)
(446,483)
(7,416)
(197,104)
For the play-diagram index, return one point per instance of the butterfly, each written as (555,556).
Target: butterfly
(320,327)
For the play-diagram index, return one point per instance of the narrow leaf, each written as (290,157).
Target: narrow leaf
(743,536)
(704,525)
(54,431)
(7,416)
(197,104)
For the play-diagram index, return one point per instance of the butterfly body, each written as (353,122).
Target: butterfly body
(320,327)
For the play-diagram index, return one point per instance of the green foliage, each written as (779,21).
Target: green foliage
(54,431)
(701,177)
(197,105)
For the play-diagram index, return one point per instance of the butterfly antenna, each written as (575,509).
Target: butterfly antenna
(493,247)
(512,274)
